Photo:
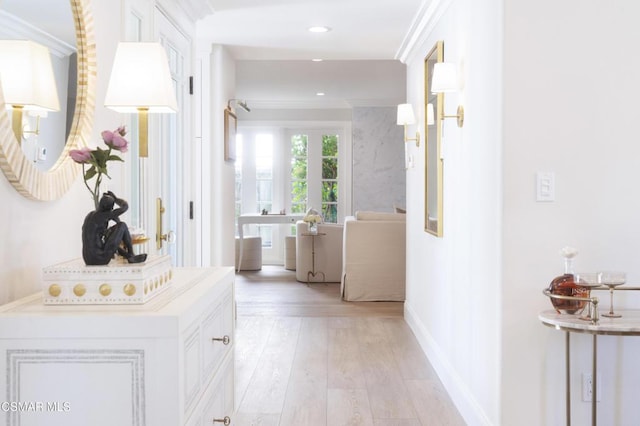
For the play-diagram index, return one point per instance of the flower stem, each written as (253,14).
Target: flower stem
(93,193)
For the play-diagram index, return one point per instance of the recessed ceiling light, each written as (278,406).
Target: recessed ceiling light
(319,29)
(320,94)
(316,60)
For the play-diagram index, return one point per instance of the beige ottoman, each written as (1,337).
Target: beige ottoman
(290,252)
(251,253)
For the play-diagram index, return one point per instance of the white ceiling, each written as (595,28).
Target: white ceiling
(273,49)
(277,29)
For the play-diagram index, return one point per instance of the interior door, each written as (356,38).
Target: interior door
(171,180)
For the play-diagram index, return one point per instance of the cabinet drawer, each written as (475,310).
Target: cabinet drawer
(217,335)
(205,343)
(219,396)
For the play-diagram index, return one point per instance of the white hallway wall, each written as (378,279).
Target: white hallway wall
(543,91)
(569,107)
(453,283)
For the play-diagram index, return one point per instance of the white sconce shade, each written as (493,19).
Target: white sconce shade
(405,115)
(431,118)
(27,79)
(141,82)
(27,76)
(140,78)
(445,78)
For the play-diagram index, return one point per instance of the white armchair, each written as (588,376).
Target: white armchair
(328,252)
(374,257)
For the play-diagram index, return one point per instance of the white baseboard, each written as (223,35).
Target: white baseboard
(467,405)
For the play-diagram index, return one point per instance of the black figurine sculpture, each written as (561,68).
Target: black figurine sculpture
(100,241)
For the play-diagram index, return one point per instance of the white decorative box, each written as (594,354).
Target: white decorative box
(118,283)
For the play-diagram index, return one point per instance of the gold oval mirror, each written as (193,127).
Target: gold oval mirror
(25,176)
(434,107)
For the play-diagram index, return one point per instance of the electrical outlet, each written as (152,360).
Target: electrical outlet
(587,387)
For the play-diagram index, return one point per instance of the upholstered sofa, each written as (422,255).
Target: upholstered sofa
(328,253)
(373,257)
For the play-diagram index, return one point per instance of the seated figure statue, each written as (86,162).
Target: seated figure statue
(100,241)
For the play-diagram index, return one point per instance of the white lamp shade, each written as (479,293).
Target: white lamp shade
(27,76)
(405,115)
(431,117)
(445,78)
(140,78)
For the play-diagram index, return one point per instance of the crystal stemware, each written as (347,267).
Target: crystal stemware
(612,279)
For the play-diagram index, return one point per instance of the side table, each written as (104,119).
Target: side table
(627,325)
(313,273)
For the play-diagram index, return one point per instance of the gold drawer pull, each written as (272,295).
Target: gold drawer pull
(226,421)
(225,341)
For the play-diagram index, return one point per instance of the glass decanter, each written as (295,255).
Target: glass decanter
(565,285)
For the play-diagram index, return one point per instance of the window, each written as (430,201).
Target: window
(299,173)
(288,169)
(330,178)
(238,167)
(264,182)
(314,173)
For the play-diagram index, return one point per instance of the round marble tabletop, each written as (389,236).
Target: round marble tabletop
(627,325)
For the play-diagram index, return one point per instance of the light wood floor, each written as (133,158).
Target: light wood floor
(306,358)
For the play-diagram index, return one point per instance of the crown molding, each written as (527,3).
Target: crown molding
(197,9)
(321,104)
(422,25)
(12,27)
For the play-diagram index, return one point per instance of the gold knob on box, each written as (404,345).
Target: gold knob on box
(79,290)
(55,290)
(105,289)
(129,289)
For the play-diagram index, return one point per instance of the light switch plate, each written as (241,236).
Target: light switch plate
(545,186)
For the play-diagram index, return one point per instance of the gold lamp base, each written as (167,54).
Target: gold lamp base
(16,122)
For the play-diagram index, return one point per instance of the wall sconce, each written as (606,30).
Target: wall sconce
(241,104)
(28,82)
(141,83)
(406,117)
(445,80)
(26,128)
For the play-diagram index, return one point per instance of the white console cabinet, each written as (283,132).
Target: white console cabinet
(168,362)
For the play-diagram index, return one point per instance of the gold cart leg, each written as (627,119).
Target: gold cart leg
(567,360)
(594,378)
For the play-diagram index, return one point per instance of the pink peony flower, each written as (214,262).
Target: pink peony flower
(94,162)
(81,156)
(107,136)
(119,143)
(115,139)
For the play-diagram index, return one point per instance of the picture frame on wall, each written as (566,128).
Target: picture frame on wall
(230,129)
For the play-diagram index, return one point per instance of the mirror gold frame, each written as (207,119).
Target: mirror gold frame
(52,184)
(433,188)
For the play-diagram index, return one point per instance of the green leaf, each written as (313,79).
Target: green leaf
(90,173)
(115,158)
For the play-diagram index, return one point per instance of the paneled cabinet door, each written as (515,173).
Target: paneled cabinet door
(217,331)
